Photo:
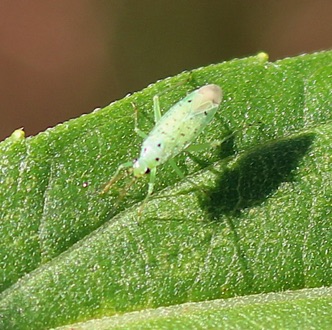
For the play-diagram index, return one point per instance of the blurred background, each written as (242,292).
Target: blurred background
(59,59)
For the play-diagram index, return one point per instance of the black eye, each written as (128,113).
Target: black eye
(159,145)
(147,171)
(157,159)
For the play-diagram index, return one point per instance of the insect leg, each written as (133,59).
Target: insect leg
(203,146)
(116,177)
(156,108)
(152,181)
(176,168)
(179,172)
(136,129)
(209,145)
(150,189)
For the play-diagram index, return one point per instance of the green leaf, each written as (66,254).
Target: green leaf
(251,217)
(304,309)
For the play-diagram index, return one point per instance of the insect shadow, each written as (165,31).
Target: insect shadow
(255,176)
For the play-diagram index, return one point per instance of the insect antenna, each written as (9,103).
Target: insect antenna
(126,188)
(117,176)
(110,183)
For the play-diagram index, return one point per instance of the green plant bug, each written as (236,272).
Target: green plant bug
(173,133)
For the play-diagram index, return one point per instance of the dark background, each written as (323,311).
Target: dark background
(59,59)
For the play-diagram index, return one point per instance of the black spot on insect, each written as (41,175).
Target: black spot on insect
(157,159)
(147,171)
(159,145)
(144,149)
(135,160)
(189,101)
(205,113)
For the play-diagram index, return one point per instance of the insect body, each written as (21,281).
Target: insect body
(173,132)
